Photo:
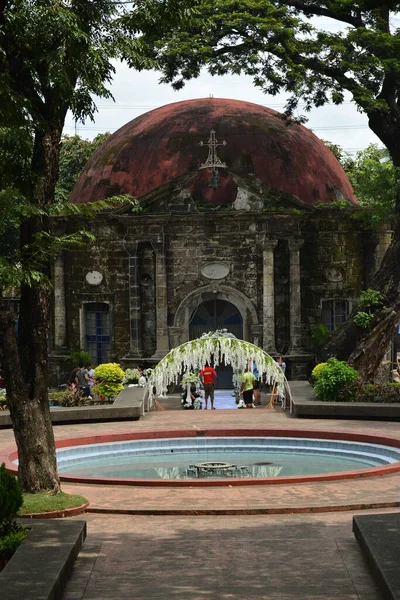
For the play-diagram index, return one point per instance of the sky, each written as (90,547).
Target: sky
(137,93)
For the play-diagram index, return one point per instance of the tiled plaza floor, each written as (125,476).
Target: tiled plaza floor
(370,492)
(230,557)
(273,557)
(374,492)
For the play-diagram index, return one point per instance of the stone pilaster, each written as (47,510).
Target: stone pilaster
(134,305)
(162,347)
(60,327)
(269,297)
(295,294)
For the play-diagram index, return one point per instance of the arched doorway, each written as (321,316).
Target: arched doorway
(180,331)
(215,314)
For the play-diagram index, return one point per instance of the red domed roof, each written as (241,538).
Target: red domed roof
(164,143)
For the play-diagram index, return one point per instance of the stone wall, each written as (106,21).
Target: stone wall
(333,265)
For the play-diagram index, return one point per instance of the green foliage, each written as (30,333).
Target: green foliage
(373,177)
(56,57)
(67,398)
(11,541)
(334,380)
(370,299)
(79,357)
(383,392)
(109,377)
(10,495)
(131,376)
(319,335)
(363,319)
(74,154)
(190,378)
(317,370)
(278,44)
(340,204)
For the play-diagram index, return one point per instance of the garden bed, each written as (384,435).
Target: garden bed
(306,404)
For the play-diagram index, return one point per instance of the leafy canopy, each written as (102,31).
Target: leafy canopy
(55,57)
(281,45)
(373,177)
(74,154)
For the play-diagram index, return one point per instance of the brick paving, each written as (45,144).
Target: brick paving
(272,557)
(236,557)
(374,492)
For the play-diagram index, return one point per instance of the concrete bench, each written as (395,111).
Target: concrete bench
(128,405)
(379,538)
(41,567)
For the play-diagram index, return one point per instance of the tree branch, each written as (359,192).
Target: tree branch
(319,11)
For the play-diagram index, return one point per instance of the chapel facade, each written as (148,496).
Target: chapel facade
(243,220)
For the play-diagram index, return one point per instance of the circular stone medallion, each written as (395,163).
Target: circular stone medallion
(215,270)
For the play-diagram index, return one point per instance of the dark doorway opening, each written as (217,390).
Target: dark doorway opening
(212,315)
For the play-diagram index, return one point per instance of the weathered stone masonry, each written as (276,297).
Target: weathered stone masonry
(279,273)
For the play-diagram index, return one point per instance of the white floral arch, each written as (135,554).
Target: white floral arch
(216,347)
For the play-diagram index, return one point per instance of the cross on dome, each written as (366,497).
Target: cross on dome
(213,161)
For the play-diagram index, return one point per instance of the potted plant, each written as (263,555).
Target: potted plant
(187,380)
(131,377)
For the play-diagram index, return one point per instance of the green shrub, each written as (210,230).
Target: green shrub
(369,302)
(335,381)
(363,319)
(317,370)
(382,392)
(10,542)
(370,299)
(10,495)
(67,398)
(109,377)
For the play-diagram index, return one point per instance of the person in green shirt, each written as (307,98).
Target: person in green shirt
(247,386)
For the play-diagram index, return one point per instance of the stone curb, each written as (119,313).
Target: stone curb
(290,510)
(58,514)
(41,567)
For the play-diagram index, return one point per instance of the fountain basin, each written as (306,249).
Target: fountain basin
(364,455)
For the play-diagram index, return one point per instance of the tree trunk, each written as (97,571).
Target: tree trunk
(37,469)
(25,360)
(365,350)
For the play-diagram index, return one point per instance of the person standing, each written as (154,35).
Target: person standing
(247,387)
(82,381)
(281,364)
(256,386)
(208,378)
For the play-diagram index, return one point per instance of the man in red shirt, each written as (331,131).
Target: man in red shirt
(208,378)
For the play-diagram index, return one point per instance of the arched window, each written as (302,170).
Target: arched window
(334,313)
(97,331)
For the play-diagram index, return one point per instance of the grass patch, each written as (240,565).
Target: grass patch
(44,502)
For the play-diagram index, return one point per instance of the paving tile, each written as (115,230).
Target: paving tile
(235,557)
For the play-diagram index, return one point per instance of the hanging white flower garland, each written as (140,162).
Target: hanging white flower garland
(218,347)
